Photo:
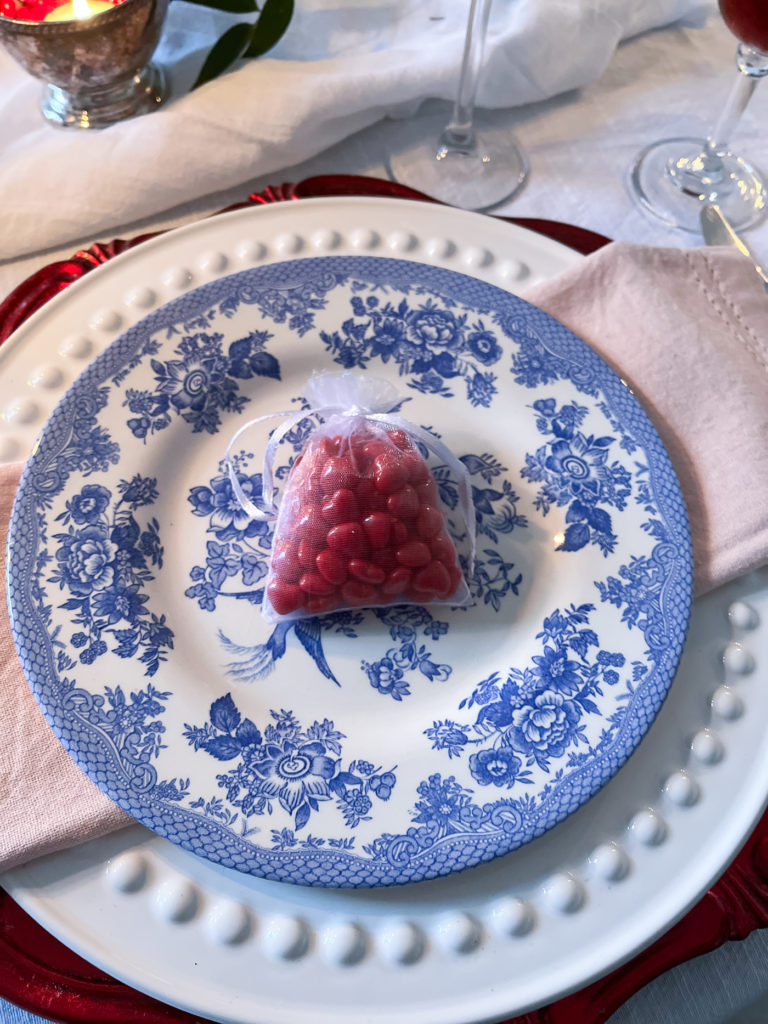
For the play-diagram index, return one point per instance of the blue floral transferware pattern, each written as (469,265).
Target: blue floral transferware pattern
(287,751)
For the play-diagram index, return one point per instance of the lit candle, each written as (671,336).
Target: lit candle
(78,10)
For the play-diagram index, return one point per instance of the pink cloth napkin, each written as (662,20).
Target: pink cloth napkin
(688,330)
(46,802)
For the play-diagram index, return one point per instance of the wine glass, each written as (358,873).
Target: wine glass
(674,178)
(473,162)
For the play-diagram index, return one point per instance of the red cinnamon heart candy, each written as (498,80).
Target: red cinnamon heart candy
(404,504)
(456,577)
(371,449)
(323,446)
(418,471)
(399,532)
(428,492)
(328,446)
(400,438)
(316,583)
(311,526)
(341,507)
(377,528)
(432,579)
(307,552)
(285,597)
(337,473)
(385,557)
(332,565)
(414,554)
(311,487)
(285,561)
(389,473)
(348,539)
(371,499)
(321,604)
(429,522)
(443,549)
(397,582)
(357,593)
(366,571)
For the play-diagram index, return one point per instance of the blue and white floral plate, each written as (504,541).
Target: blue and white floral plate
(358,749)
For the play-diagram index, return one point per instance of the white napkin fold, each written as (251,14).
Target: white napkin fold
(340,67)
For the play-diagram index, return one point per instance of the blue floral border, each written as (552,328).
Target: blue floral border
(332,867)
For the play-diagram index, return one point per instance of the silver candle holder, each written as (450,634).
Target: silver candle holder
(96,70)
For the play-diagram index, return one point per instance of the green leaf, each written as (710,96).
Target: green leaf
(274,19)
(225,52)
(231,6)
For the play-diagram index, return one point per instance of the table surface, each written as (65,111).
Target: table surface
(663,83)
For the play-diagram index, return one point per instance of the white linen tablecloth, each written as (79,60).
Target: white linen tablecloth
(339,68)
(661,83)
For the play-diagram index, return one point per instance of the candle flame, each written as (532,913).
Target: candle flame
(82,9)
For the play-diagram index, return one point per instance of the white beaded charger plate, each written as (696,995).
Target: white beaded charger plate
(629,843)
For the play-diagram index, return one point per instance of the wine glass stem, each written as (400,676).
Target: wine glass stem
(752,65)
(459,133)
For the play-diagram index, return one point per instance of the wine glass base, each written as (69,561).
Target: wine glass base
(668,181)
(474,177)
(98,107)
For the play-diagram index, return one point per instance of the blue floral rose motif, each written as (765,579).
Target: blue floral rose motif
(537,710)
(105,565)
(556,670)
(387,338)
(484,347)
(481,388)
(546,726)
(219,503)
(498,767)
(141,490)
(432,327)
(432,343)
(563,422)
(441,800)
(87,507)
(188,384)
(574,471)
(200,383)
(386,677)
(578,465)
(85,560)
(294,773)
(121,602)
(298,768)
